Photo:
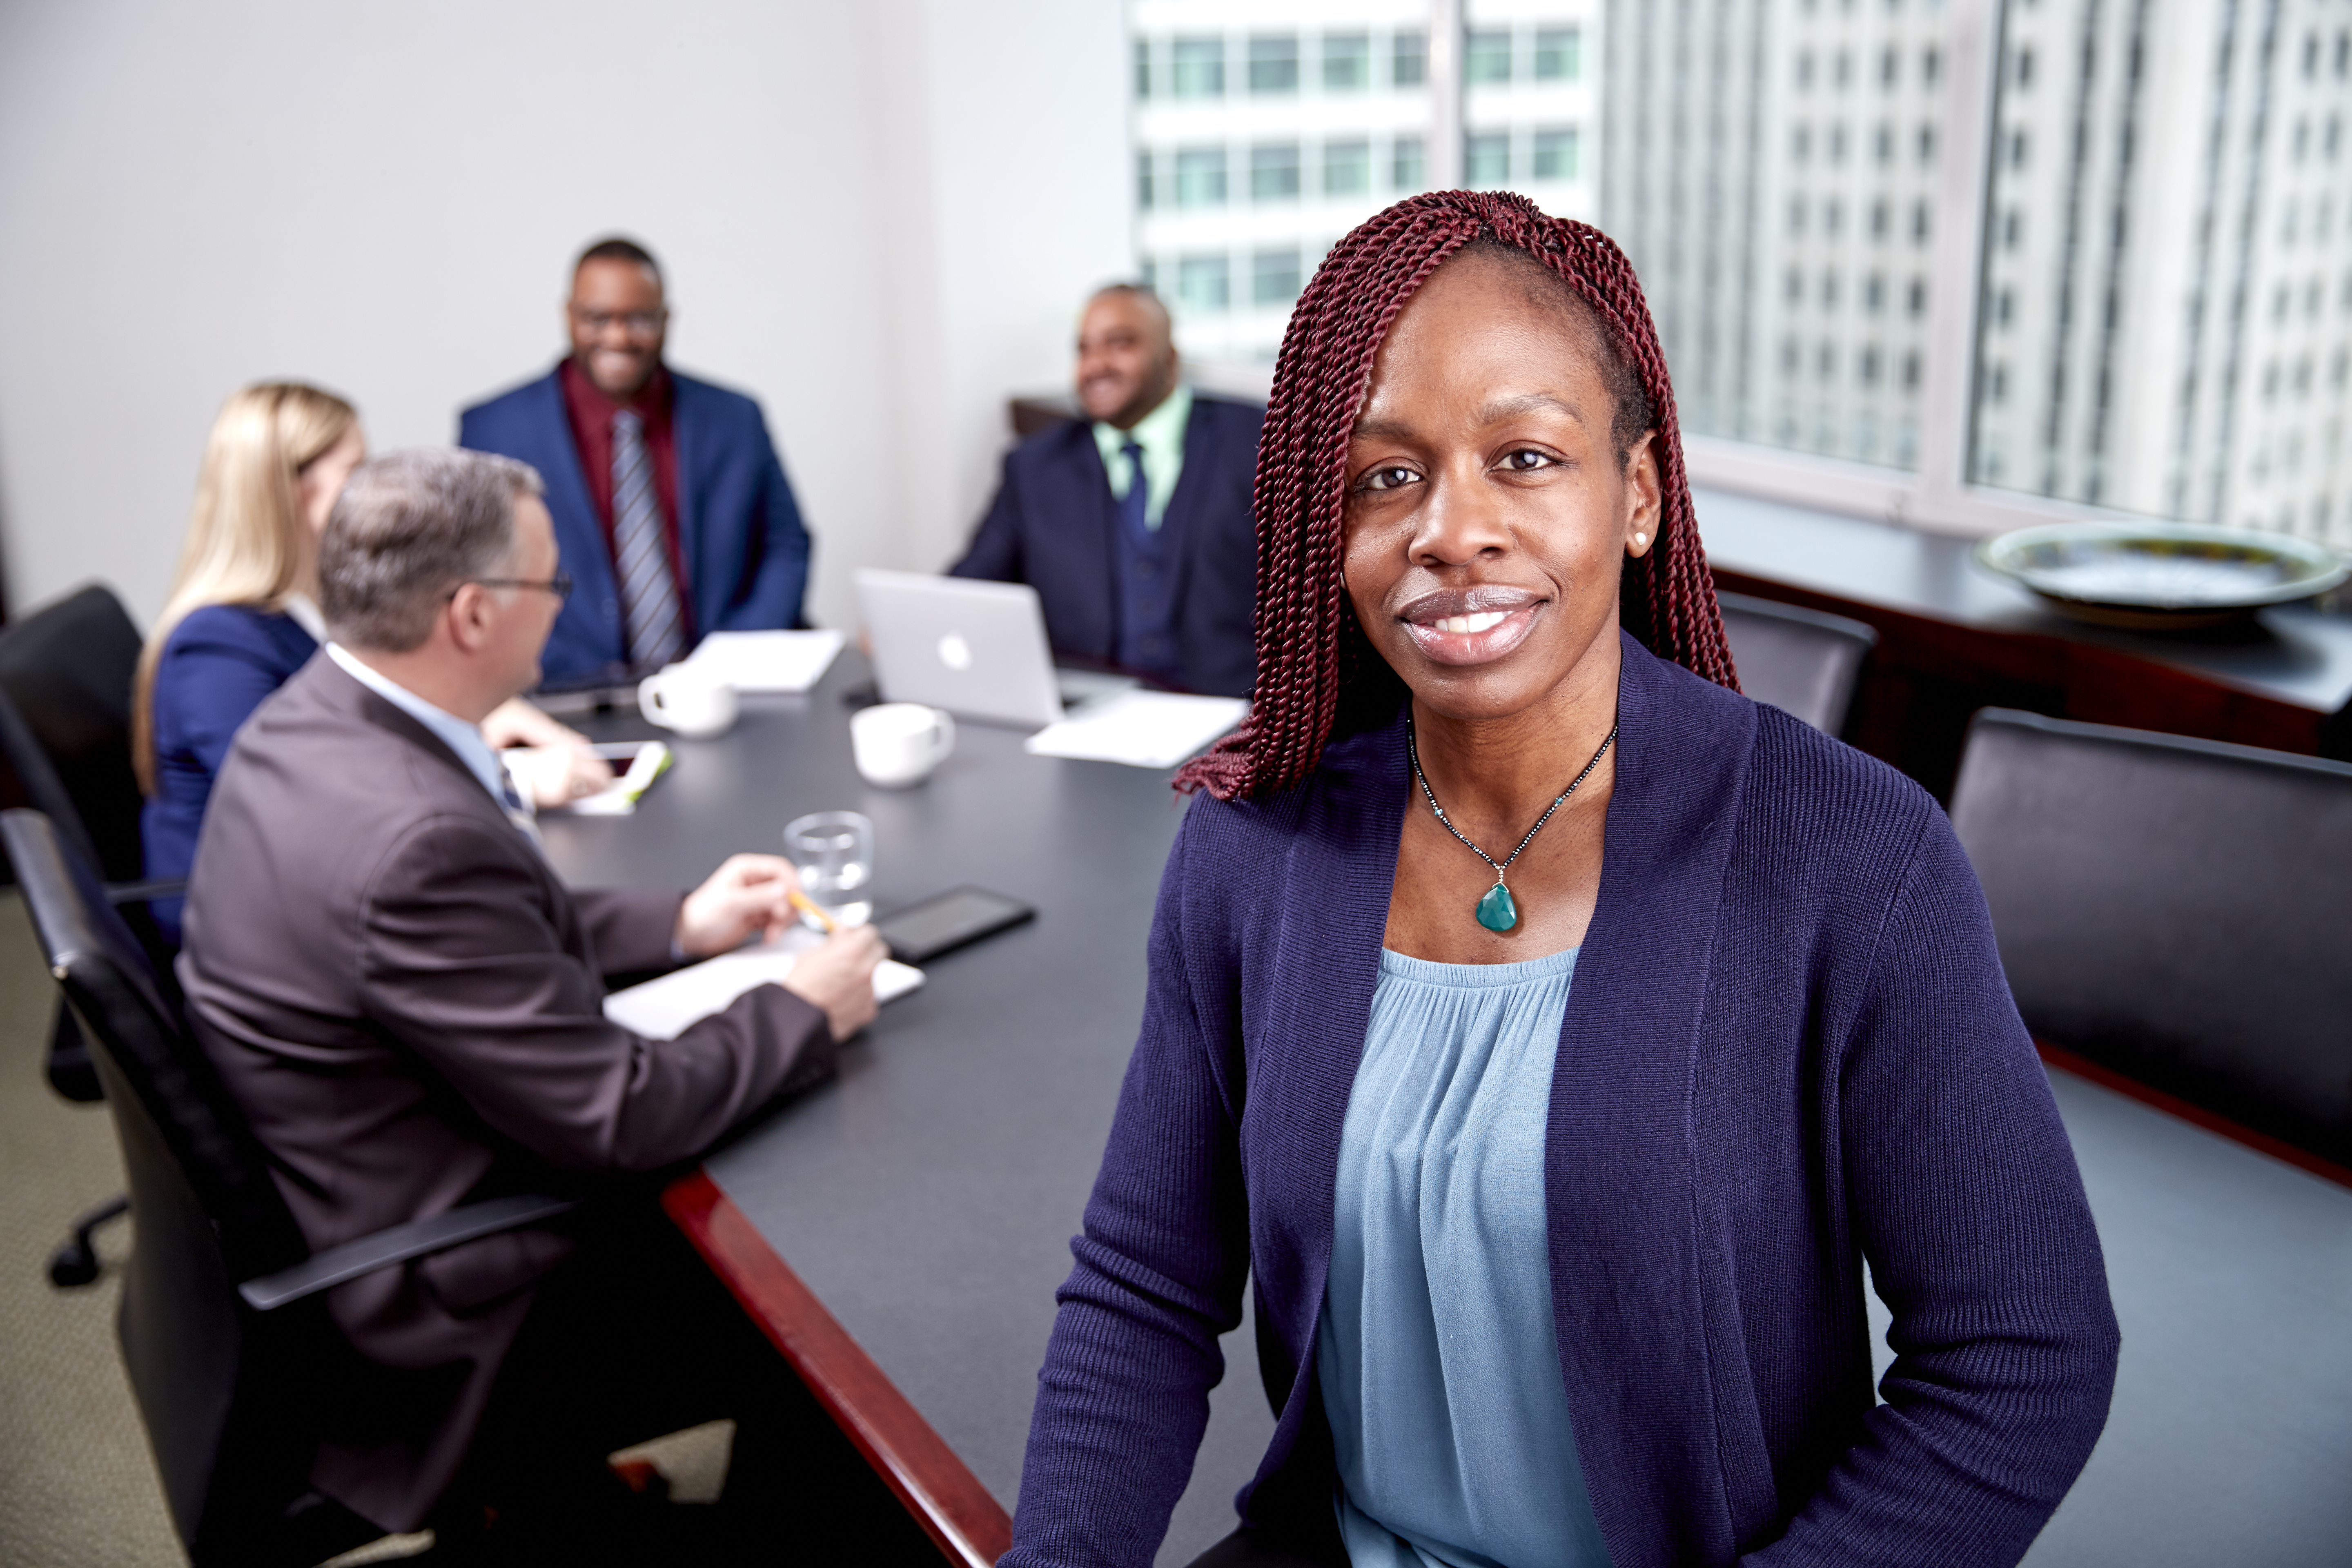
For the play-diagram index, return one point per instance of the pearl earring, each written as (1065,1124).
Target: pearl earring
(1640,540)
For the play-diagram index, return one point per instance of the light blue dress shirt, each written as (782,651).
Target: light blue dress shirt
(451,732)
(1436,1355)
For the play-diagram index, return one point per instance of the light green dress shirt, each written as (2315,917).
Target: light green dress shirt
(1160,434)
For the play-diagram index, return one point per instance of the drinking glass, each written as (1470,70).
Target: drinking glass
(833,852)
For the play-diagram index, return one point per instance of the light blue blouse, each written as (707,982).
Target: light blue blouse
(1436,1354)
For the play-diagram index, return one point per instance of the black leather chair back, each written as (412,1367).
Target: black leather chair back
(2178,910)
(1799,660)
(209,1387)
(66,674)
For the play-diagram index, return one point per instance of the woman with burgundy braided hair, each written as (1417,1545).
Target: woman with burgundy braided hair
(1547,1035)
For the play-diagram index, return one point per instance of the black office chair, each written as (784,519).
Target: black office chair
(1800,661)
(66,674)
(2178,911)
(222,1332)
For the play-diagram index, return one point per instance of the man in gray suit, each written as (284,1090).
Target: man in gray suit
(407,1003)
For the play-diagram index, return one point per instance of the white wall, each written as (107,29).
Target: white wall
(875,218)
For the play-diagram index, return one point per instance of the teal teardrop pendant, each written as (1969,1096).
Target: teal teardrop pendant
(1496,913)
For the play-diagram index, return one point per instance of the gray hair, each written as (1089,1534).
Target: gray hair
(409,529)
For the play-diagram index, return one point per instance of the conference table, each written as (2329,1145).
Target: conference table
(899,1232)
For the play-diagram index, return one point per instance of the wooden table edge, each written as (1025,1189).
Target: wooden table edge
(2196,1115)
(935,1486)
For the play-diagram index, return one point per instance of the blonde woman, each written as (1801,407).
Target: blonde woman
(242,617)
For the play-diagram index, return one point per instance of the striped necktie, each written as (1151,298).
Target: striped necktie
(641,550)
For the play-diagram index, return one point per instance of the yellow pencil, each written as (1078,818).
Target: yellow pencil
(807,906)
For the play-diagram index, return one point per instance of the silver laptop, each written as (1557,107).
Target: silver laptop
(977,649)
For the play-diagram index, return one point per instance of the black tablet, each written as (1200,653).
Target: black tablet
(948,920)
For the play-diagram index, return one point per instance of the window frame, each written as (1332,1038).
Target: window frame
(1938,495)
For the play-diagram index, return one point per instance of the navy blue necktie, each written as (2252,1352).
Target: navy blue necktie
(1135,507)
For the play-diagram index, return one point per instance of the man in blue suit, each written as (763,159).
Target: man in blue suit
(673,516)
(1134,524)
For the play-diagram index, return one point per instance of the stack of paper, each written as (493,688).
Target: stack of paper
(1141,729)
(661,1009)
(767,661)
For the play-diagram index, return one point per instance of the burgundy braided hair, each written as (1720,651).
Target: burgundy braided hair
(1309,650)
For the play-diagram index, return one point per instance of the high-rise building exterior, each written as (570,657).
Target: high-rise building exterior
(2164,277)
(2166,323)
(1264,129)
(1771,170)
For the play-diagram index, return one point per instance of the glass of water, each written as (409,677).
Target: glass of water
(833,852)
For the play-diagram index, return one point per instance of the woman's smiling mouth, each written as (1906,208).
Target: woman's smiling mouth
(1473,625)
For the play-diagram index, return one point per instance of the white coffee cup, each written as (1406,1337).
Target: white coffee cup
(899,743)
(696,703)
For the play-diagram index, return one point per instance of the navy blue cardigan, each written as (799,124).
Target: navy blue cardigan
(1790,1048)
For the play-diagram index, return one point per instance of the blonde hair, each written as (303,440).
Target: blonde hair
(245,543)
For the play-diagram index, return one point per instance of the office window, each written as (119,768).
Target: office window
(1197,67)
(1274,277)
(1274,172)
(1346,62)
(2151,389)
(1201,177)
(1555,156)
(1486,159)
(1488,57)
(1143,187)
(1405,164)
(1142,69)
(1558,54)
(1347,168)
(1204,282)
(1409,59)
(1273,64)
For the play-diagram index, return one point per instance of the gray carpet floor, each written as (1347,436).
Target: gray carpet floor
(76,1483)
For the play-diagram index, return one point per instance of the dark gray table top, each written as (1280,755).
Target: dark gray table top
(928,1196)
(2295,653)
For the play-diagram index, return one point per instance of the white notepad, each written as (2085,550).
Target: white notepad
(661,1009)
(1141,729)
(767,661)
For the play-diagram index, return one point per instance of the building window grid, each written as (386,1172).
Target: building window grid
(1186,183)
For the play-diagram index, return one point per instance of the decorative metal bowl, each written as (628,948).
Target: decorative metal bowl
(2161,576)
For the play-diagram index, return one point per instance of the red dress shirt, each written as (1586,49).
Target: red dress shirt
(590,412)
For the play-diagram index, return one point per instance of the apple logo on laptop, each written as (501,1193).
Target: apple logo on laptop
(954,652)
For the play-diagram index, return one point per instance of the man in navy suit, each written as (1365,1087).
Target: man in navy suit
(1134,524)
(673,516)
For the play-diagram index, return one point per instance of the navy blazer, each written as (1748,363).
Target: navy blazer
(1790,1048)
(746,555)
(1051,525)
(215,669)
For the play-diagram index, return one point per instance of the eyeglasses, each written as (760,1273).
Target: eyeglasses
(636,323)
(560,585)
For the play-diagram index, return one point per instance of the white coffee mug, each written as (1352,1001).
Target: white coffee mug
(695,703)
(899,743)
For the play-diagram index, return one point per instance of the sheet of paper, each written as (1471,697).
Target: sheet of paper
(647,761)
(661,1009)
(1141,729)
(767,661)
